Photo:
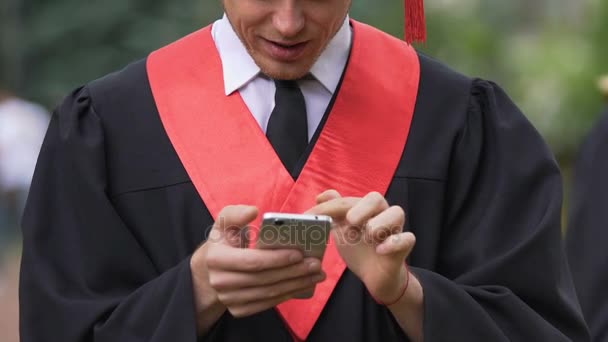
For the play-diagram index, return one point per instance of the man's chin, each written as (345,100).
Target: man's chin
(282,72)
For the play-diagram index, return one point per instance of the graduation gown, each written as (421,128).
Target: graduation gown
(113,218)
(587,233)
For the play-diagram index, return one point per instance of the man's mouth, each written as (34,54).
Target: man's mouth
(284,52)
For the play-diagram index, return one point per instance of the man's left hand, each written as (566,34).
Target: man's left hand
(369,237)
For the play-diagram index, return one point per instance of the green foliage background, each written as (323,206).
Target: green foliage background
(547,54)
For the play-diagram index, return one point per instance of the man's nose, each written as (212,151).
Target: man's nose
(288,18)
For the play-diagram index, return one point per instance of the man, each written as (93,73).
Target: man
(290,106)
(588,227)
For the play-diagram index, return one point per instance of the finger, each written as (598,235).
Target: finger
(226,280)
(336,208)
(402,243)
(385,224)
(236,237)
(249,309)
(328,195)
(269,292)
(235,217)
(231,225)
(369,206)
(228,258)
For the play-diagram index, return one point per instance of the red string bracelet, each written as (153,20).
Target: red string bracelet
(407,283)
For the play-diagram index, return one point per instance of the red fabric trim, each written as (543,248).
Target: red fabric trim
(230,161)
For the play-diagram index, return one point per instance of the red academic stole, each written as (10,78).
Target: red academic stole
(230,160)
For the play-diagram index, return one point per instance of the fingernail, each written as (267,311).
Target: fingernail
(314,265)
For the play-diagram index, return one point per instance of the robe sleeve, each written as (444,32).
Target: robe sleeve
(84,276)
(501,274)
(587,233)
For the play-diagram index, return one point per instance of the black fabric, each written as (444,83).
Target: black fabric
(287,128)
(587,234)
(113,218)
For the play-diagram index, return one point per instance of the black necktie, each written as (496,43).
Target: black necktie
(287,128)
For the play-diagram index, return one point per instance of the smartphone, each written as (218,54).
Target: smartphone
(308,233)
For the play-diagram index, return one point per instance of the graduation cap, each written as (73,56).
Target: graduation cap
(415,23)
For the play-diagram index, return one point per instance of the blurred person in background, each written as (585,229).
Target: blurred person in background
(22,128)
(587,235)
(132,230)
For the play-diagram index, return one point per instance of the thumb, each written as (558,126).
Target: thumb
(231,225)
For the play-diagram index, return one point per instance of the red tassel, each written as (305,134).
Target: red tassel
(415,22)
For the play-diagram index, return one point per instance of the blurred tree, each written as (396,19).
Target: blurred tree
(68,42)
(11,29)
(547,54)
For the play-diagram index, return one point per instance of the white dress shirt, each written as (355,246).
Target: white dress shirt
(243,75)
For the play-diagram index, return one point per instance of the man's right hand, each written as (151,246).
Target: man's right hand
(228,275)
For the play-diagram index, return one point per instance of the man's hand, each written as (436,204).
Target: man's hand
(228,275)
(370,238)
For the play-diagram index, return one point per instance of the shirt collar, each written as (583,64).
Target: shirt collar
(239,68)
(329,66)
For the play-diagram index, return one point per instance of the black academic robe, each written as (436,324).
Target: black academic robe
(587,234)
(113,218)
